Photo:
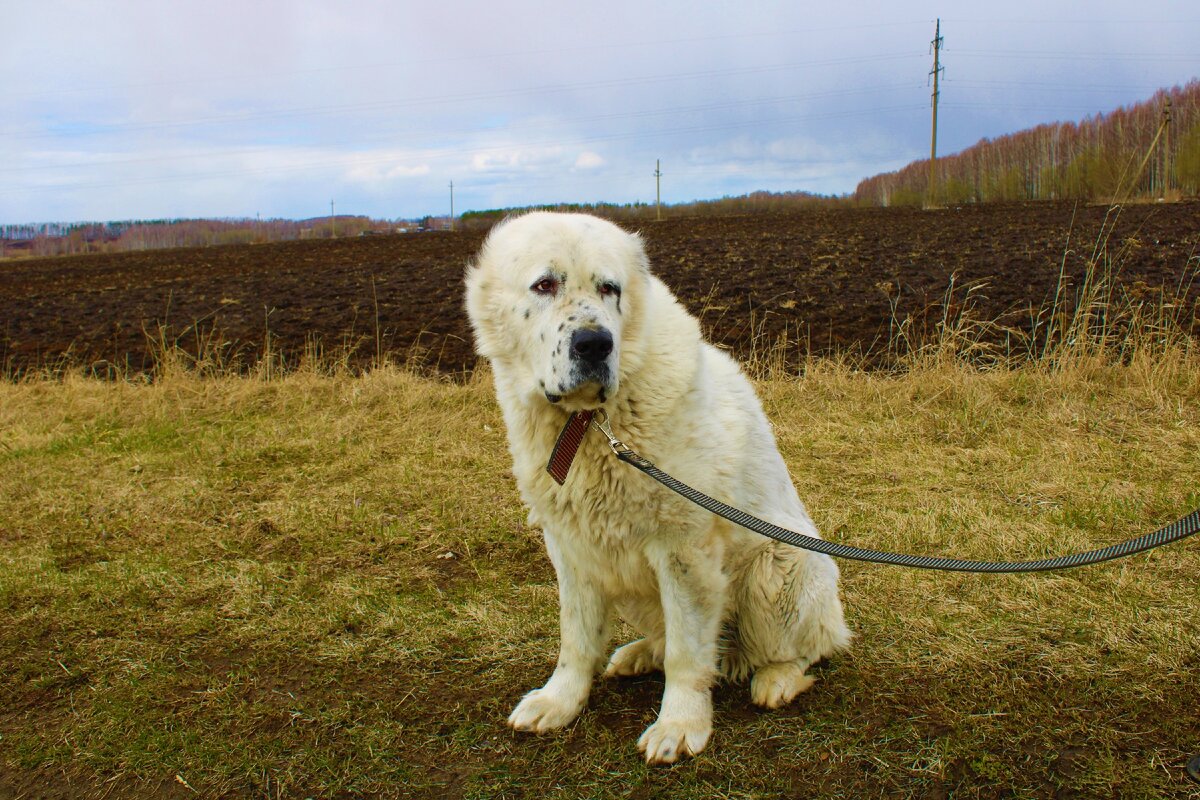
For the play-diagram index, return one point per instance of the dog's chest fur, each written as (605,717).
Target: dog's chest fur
(604,514)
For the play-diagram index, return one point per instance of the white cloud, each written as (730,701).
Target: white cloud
(206,109)
(383,168)
(588,160)
(516,159)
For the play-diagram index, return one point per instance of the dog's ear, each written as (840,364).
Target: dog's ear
(639,257)
(479,283)
(478,280)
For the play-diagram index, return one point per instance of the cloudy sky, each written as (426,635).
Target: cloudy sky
(128,109)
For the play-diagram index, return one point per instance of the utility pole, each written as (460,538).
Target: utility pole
(332,222)
(1161,133)
(658,189)
(1166,151)
(935,72)
(451,205)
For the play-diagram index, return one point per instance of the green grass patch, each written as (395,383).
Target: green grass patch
(324,586)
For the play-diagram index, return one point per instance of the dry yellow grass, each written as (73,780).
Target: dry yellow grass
(323,584)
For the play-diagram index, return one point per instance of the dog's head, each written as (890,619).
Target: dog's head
(553,298)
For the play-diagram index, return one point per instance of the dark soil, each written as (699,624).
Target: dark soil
(830,280)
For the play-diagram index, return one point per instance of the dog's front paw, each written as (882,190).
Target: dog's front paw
(669,740)
(544,710)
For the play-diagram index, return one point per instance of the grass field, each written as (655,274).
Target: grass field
(323,586)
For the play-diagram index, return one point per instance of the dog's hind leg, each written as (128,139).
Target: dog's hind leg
(776,685)
(789,617)
(636,658)
(641,655)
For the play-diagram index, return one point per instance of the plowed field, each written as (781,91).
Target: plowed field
(829,279)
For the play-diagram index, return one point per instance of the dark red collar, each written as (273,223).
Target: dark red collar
(569,439)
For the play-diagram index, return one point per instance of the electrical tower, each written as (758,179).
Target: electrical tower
(332,222)
(936,46)
(451,205)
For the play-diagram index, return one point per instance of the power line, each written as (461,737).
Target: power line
(656,43)
(566,121)
(1027,21)
(1026,107)
(470,97)
(451,151)
(1061,56)
(979,83)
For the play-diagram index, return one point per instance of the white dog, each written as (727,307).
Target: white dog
(565,308)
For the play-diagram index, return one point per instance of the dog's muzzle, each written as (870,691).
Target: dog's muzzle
(589,350)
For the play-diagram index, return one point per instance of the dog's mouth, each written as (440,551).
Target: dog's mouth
(587,396)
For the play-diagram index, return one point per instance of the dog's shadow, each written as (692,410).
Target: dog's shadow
(630,704)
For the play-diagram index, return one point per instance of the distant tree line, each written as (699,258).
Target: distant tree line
(1095,159)
(51,239)
(753,203)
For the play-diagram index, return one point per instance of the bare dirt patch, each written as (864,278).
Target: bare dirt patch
(835,279)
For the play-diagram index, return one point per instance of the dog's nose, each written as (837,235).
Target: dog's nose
(592,345)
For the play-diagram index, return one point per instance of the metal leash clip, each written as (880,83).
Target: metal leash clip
(600,423)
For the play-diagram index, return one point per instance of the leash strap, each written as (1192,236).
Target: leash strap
(1176,531)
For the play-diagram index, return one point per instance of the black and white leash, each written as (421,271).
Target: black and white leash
(579,422)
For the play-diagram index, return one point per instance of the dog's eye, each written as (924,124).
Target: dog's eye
(607,289)
(545,286)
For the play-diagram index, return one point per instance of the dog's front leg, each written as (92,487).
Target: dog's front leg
(692,591)
(583,622)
